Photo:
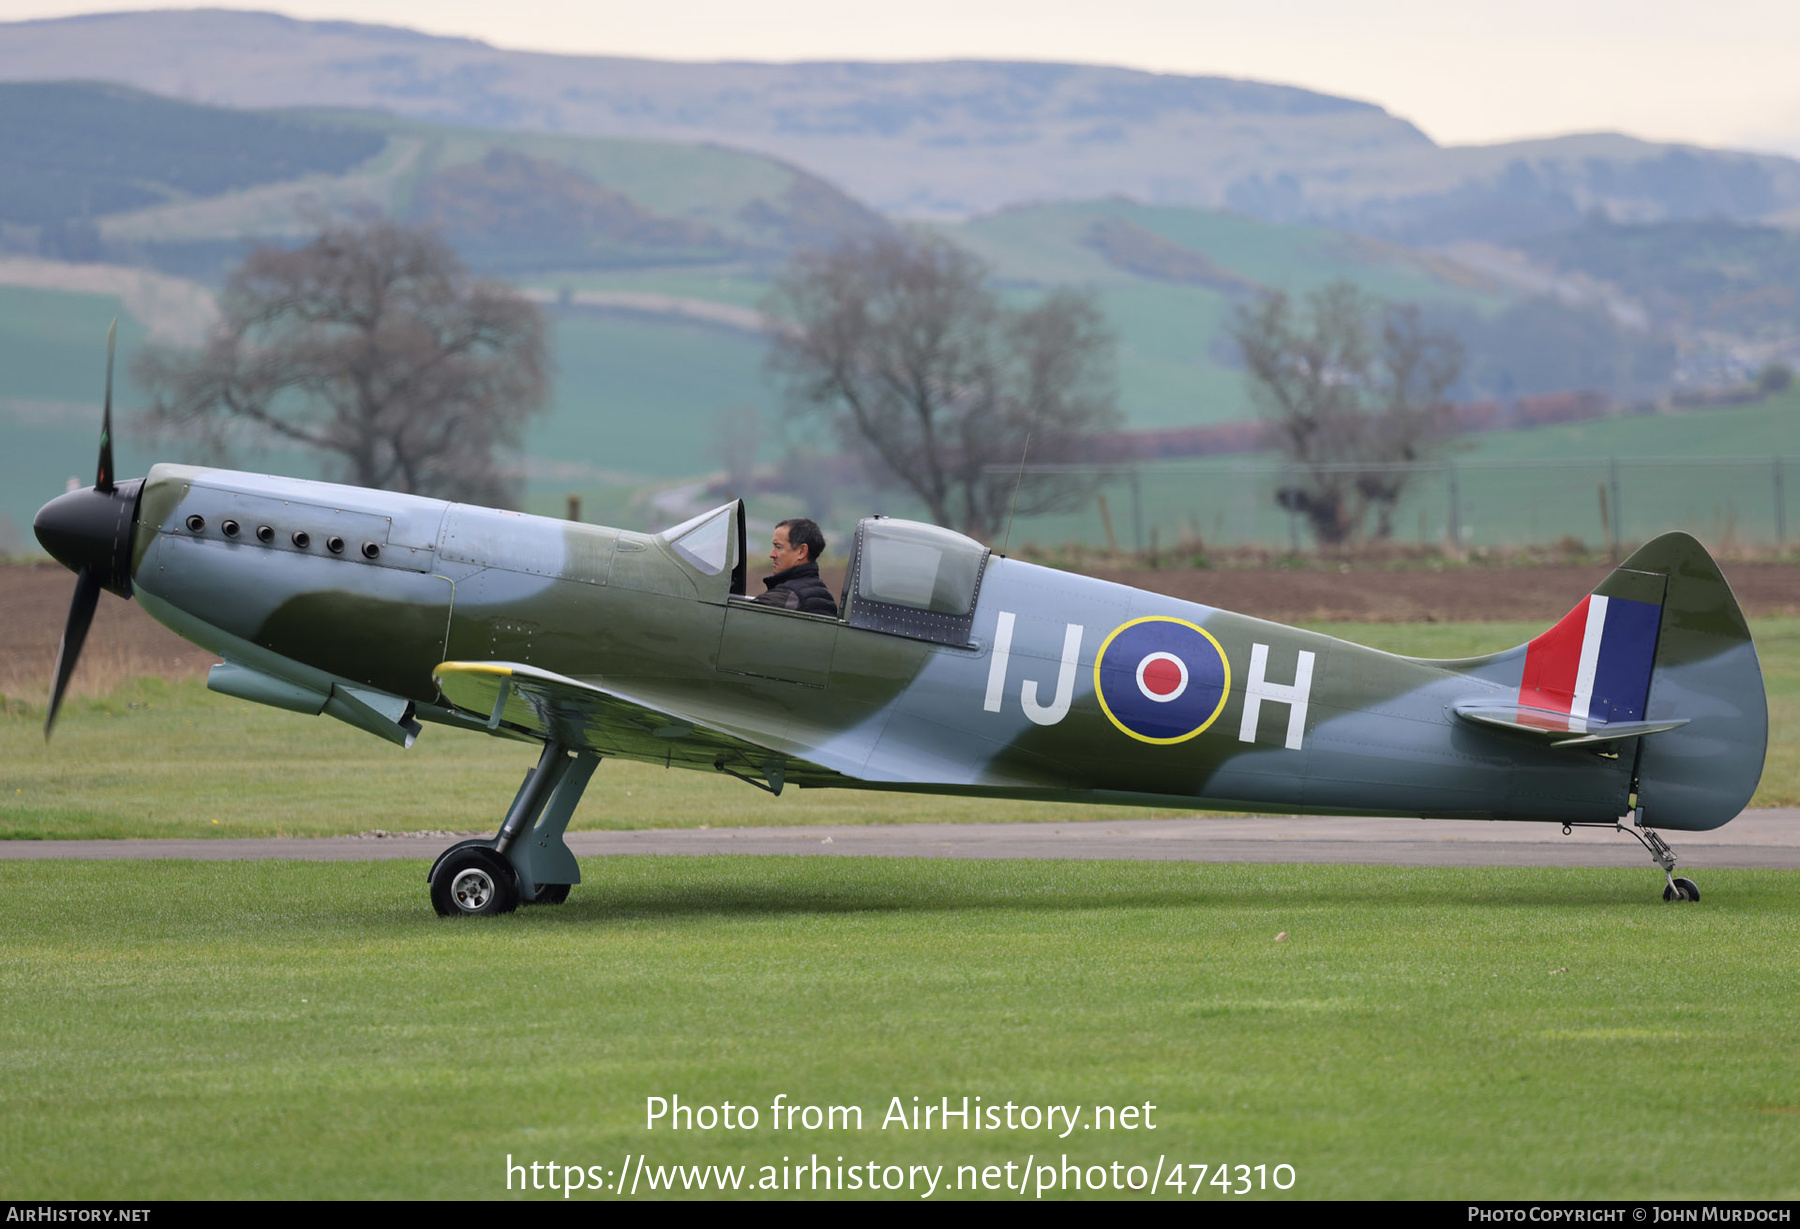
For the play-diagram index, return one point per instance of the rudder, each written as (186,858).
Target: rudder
(1704,671)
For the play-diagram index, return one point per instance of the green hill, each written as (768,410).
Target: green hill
(1168,278)
(511,202)
(1712,275)
(77,151)
(647,254)
(691,221)
(638,391)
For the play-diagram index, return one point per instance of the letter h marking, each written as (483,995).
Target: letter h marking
(1258,688)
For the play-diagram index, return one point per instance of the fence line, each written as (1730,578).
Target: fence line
(1608,501)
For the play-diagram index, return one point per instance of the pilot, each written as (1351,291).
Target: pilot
(796,584)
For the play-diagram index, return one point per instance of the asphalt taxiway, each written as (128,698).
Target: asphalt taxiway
(1755,839)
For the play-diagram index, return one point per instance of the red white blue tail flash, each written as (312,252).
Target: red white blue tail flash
(1595,664)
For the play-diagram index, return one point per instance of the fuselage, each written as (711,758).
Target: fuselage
(1064,686)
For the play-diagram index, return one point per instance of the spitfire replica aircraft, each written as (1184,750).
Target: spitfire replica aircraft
(953,669)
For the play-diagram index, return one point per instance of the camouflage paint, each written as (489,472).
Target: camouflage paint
(624,648)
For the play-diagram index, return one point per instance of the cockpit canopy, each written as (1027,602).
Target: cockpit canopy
(905,578)
(915,580)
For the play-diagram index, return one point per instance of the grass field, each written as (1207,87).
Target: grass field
(287,1030)
(1709,472)
(639,397)
(162,759)
(307,1030)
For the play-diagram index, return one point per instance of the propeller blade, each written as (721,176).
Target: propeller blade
(103,480)
(81,615)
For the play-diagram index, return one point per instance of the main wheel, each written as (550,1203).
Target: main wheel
(474,882)
(1682,889)
(550,894)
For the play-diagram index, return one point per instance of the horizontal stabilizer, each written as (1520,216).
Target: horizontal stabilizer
(1560,729)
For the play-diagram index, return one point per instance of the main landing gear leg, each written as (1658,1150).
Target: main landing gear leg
(526,861)
(1677,888)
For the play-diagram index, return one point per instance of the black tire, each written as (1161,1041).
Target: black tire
(551,894)
(474,882)
(1688,888)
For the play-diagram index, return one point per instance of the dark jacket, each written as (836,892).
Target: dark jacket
(799,588)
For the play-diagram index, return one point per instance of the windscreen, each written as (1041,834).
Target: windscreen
(704,541)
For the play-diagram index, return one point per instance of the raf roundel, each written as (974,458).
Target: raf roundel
(1161,680)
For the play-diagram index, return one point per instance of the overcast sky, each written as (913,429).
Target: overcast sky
(1718,73)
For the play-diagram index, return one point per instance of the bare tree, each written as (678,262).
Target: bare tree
(1353,389)
(1412,377)
(372,344)
(897,341)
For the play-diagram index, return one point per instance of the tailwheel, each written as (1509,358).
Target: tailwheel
(474,881)
(1676,888)
(1681,889)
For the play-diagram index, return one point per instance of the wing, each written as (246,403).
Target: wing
(590,718)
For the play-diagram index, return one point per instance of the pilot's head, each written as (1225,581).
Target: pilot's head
(797,541)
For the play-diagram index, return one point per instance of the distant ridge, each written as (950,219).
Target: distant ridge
(110,173)
(938,139)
